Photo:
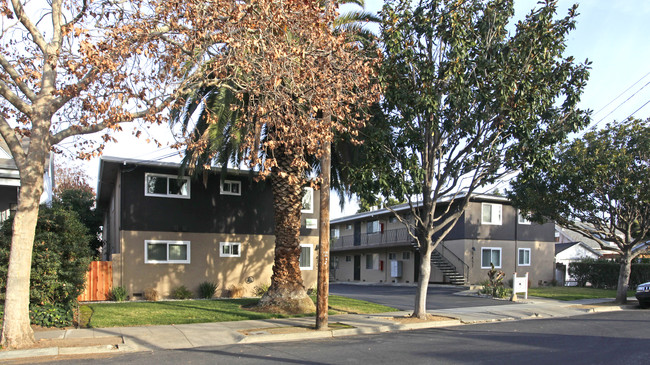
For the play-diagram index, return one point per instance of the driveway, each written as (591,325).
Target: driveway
(403,297)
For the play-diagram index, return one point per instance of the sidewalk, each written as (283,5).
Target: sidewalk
(117,340)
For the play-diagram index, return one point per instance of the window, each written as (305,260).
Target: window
(169,186)
(524,257)
(335,233)
(166,252)
(392,219)
(231,187)
(372,261)
(491,214)
(307,200)
(230,249)
(373,227)
(348,258)
(406,255)
(490,255)
(348,226)
(521,218)
(392,256)
(306,254)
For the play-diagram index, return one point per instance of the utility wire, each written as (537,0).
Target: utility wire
(593,126)
(621,94)
(634,112)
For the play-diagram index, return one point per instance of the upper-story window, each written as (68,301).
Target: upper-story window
(521,218)
(491,214)
(170,186)
(335,233)
(373,227)
(392,219)
(307,201)
(230,187)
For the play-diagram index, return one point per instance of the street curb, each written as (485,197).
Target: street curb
(56,351)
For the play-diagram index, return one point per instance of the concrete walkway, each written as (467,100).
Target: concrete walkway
(152,338)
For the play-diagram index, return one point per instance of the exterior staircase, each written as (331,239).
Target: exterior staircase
(448,270)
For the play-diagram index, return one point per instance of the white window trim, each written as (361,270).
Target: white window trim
(529,257)
(500,257)
(176,177)
(311,223)
(311,258)
(521,219)
(167,243)
(493,222)
(231,182)
(309,191)
(221,246)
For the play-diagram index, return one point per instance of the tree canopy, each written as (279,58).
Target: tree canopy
(598,186)
(465,101)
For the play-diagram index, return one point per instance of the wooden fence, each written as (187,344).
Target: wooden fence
(99,281)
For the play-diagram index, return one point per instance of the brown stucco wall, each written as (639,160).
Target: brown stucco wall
(256,261)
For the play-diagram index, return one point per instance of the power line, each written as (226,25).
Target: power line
(621,94)
(593,126)
(634,112)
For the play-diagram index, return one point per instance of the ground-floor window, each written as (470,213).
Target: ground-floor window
(166,252)
(490,255)
(230,249)
(524,257)
(306,254)
(372,261)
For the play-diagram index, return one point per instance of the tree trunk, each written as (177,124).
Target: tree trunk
(16,330)
(287,293)
(420,310)
(624,278)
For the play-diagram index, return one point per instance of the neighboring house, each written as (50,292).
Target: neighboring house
(375,247)
(563,235)
(568,252)
(10,182)
(163,230)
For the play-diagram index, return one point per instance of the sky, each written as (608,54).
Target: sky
(613,35)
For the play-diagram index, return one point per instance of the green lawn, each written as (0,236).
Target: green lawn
(573,292)
(199,311)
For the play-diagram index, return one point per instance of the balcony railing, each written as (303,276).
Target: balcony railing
(387,238)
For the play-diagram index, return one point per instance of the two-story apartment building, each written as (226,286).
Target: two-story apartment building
(163,230)
(375,247)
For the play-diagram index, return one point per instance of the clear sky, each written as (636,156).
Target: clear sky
(613,34)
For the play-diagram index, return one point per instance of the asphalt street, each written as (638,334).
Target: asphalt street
(603,338)
(403,297)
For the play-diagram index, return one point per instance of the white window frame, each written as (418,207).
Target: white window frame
(521,219)
(311,256)
(231,183)
(311,223)
(167,243)
(336,233)
(529,256)
(496,218)
(307,192)
(167,177)
(375,225)
(492,249)
(230,245)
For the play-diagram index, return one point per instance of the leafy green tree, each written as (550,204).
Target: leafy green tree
(598,186)
(465,102)
(60,258)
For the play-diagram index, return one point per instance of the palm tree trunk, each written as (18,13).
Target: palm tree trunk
(287,293)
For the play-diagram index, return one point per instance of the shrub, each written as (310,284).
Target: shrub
(235,291)
(604,273)
(494,284)
(261,289)
(51,315)
(151,294)
(60,260)
(181,293)
(118,294)
(207,289)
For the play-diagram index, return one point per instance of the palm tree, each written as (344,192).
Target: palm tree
(216,137)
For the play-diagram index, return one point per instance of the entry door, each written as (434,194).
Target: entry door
(357,267)
(416,268)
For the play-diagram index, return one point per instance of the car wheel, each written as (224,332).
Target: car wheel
(644,304)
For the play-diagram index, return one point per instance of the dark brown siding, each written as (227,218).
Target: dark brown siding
(206,211)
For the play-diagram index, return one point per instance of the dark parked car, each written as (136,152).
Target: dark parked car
(643,294)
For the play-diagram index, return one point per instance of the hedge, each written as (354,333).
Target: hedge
(604,274)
